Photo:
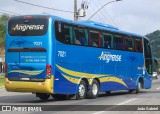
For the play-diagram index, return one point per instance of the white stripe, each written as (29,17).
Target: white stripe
(158,88)
(100,112)
(127,101)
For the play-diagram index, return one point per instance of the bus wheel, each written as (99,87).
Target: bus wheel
(138,90)
(93,92)
(43,96)
(82,90)
(59,96)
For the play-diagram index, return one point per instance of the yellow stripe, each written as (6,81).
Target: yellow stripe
(27,72)
(79,74)
(73,80)
(112,79)
(88,76)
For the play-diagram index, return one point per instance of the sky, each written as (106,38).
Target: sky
(136,16)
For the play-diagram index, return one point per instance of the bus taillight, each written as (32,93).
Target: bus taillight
(5,69)
(27,17)
(48,71)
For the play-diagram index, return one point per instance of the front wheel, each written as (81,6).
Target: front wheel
(43,96)
(138,90)
(82,89)
(94,91)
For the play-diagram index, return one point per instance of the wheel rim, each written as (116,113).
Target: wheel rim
(81,90)
(139,86)
(94,89)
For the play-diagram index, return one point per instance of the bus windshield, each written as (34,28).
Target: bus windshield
(27,27)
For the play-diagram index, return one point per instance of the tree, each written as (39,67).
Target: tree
(3,20)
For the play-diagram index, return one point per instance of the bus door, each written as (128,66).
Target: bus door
(148,64)
(130,60)
(26,48)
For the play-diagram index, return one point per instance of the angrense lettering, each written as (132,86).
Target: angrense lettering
(109,57)
(23,27)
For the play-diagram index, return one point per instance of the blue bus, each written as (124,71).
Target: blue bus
(52,56)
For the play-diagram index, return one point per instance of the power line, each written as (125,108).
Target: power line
(98,16)
(6,13)
(9,12)
(107,14)
(43,6)
(100,11)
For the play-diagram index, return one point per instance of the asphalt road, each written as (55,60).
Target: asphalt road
(146,97)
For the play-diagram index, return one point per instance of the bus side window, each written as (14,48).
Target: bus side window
(67,34)
(106,41)
(129,44)
(138,45)
(118,42)
(93,38)
(79,36)
(63,32)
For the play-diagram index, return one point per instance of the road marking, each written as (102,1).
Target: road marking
(127,101)
(100,112)
(158,88)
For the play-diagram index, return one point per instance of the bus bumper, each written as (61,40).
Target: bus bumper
(34,87)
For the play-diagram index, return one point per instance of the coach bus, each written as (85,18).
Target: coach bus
(51,56)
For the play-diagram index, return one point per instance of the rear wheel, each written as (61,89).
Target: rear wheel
(82,89)
(43,96)
(93,92)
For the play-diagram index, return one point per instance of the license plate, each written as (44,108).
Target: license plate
(25,78)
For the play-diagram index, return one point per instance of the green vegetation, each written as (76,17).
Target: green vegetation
(2,79)
(3,19)
(154,38)
(155,43)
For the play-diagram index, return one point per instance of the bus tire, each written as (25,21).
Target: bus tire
(138,90)
(59,96)
(82,90)
(43,96)
(94,91)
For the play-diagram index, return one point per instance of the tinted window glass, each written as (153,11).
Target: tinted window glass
(129,44)
(79,36)
(118,42)
(63,32)
(27,27)
(138,45)
(106,38)
(94,36)
(148,56)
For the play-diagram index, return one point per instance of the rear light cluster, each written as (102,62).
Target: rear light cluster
(5,69)
(48,71)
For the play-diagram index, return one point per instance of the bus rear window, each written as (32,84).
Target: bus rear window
(27,27)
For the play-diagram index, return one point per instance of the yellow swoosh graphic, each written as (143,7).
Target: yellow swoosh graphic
(105,78)
(79,74)
(28,72)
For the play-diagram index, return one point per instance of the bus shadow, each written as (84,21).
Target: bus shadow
(32,99)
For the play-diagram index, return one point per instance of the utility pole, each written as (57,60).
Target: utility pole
(75,10)
(81,11)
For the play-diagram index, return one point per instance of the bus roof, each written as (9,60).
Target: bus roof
(93,24)
(101,26)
